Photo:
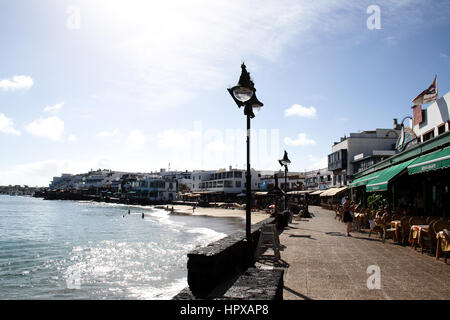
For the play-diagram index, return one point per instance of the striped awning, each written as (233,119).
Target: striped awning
(364,180)
(299,192)
(433,161)
(327,192)
(385,176)
(333,191)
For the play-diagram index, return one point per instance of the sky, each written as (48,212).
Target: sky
(141,85)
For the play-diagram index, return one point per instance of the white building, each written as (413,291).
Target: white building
(182,177)
(359,151)
(154,188)
(223,181)
(432,121)
(320,179)
(295,181)
(62,182)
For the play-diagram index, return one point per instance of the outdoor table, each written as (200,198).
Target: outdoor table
(415,234)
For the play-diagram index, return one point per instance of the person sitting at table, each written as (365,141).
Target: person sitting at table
(384,216)
(378,222)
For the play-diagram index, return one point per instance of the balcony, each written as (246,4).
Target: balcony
(337,160)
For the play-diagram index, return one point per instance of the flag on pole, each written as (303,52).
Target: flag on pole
(428,95)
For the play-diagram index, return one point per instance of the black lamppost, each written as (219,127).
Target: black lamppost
(244,95)
(285,162)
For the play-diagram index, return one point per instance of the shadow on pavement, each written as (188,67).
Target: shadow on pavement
(297,293)
(302,236)
(336,234)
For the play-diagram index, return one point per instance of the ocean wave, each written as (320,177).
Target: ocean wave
(206,235)
(153,293)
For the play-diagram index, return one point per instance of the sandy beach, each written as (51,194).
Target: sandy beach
(257,216)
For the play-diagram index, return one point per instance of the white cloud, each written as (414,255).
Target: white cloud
(177,139)
(219,146)
(301,140)
(301,111)
(7,125)
(54,109)
(317,162)
(136,138)
(40,173)
(72,138)
(16,83)
(178,50)
(51,128)
(443,55)
(208,39)
(105,134)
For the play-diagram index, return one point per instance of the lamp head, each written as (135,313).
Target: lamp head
(244,90)
(285,161)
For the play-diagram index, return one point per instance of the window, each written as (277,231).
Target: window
(428,135)
(238,184)
(441,129)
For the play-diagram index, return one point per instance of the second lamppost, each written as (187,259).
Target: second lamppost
(244,95)
(285,162)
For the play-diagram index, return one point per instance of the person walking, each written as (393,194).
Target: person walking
(347,215)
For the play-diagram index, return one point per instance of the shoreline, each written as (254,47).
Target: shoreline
(186,210)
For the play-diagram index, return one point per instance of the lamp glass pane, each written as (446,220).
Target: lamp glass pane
(242,94)
(256,108)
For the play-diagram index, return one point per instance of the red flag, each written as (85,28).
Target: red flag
(417,113)
(428,95)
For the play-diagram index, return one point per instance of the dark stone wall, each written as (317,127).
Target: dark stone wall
(211,266)
(253,284)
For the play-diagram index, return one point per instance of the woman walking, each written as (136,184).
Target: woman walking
(347,215)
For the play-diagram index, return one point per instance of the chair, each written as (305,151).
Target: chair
(339,213)
(414,234)
(336,211)
(442,229)
(427,238)
(389,230)
(364,218)
(386,225)
(431,219)
(404,230)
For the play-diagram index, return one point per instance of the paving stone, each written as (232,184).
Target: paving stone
(333,266)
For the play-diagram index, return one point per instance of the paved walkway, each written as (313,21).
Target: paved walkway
(325,264)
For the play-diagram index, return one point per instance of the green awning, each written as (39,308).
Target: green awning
(433,161)
(364,180)
(386,175)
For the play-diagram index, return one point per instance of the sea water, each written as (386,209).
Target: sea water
(88,250)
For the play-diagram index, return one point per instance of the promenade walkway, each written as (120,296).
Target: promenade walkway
(325,264)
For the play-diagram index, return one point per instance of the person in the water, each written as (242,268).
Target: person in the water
(142,215)
(128,211)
